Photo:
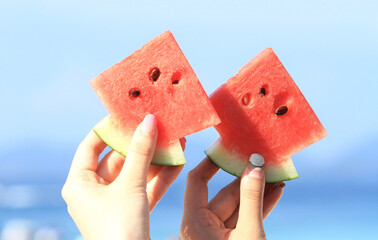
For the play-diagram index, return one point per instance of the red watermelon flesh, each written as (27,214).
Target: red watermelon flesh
(156,79)
(263,111)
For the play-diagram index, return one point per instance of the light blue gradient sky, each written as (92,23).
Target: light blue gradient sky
(49,50)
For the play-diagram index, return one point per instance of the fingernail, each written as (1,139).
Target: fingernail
(148,127)
(256,165)
(280,185)
(256,160)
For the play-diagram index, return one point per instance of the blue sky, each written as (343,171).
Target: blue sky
(49,50)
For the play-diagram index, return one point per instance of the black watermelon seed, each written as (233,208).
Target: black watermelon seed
(154,74)
(175,82)
(262,91)
(134,93)
(281,110)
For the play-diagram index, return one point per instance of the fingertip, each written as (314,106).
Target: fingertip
(253,181)
(280,185)
(270,187)
(251,195)
(272,198)
(196,192)
(204,171)
(170,171)
(183,143)
(177,168)
(149,125)
(140,151)
(87,153)
(92,143)
(256,173)
(255,169)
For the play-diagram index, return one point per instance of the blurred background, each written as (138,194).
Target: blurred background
(49,50)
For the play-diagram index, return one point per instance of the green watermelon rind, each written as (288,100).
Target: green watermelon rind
(172,155)
(235,164)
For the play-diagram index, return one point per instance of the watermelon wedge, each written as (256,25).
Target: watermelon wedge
(166,153)
(156,79)
(262,111)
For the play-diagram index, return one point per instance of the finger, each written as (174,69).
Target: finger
(153,171)
(196,193)
(251,198)
(231,222)
(183,143)
(225,202)
(269,187)
(110,166)
(140,153)
(271,198)
(86,156)
(272,194)
(158,186)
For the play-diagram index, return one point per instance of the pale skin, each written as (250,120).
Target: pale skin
(236,212)
(112,198)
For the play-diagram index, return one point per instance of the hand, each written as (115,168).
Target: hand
(112,199)
(236,212)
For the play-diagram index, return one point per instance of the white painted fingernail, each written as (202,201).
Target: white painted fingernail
(256,165)
(148,127)
(256,160)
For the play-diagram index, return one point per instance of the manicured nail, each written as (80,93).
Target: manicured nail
(256,165)
(280,185)
(256,160)
(148,127)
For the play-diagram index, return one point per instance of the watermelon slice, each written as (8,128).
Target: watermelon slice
(262,111)
(156,79)
(166,153)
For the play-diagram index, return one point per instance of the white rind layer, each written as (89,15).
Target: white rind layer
(171,155)
(235,164)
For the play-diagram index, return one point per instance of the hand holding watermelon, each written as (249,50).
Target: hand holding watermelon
(259,110)
(236,212)
(103,196)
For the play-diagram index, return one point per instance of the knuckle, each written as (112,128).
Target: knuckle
(82,177)
(261,236)
(192,174)
(151,195)
(154,197)
(185,232)
(195,174)
(69,210)
(182,230)
(118,160)
(143,152)
(81,146)
(252,194)
(65,192)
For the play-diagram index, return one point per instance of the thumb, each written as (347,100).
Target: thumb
(250,222)
(140,153)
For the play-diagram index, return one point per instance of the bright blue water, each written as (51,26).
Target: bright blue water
(305,212)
